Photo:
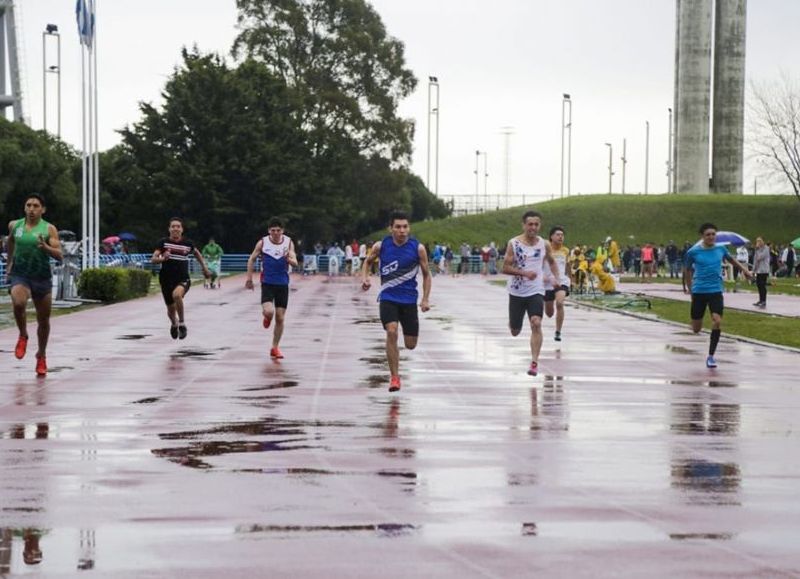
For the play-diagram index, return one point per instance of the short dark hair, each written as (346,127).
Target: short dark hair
(706,226)
(398,215)
(553,230)
(178,219)
(38,196)
(275,222)
(531,213)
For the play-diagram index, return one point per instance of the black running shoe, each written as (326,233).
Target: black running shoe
(173,331)
(182,332)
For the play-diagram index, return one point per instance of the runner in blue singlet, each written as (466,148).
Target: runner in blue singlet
(401,258)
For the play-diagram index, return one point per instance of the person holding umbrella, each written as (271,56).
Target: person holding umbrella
(32,241)
(703,266)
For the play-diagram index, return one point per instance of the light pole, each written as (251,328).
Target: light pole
(51,31)
(478,176)
(566,126)
(433,85)
(669,154)
(624,163)
(610,165)
(485,180)
(646,156)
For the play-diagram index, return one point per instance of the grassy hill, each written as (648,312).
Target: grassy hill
(629,219)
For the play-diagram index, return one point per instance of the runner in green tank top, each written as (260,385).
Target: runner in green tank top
(32,241)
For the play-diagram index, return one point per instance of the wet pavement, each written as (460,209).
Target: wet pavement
(140,455)
(777,304)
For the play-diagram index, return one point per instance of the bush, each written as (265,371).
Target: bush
(113,284)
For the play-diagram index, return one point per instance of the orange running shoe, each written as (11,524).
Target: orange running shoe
(22,346)
(275,353)
(394,384)
(267,321)
(41,365)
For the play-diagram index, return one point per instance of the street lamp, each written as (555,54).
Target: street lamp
(477,175)
(566,126)
(433,85)
(670,167)
(624,159)
(646,156)
(610,165)
(51,30)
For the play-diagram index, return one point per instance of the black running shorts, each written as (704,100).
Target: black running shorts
(168,286)
(277,293)
(519,306)
(550,295)
(700,302)
(405,314)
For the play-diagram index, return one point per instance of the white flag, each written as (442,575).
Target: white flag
(84,12)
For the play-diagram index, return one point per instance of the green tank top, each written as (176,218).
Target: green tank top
(29,260)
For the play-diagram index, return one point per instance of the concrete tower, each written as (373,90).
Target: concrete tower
(697,22)
(728,135)
(693,106)
(8,32)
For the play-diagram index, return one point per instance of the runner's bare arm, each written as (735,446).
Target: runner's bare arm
(291,256)
(374,252)
(737,264)
(199,257)
(426,277)
(52,244)
(548,255)
(251,262)
(10,248)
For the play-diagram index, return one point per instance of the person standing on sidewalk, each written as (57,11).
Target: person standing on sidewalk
(401,258)
(174,253)
(32,241)
(761,270)
(277,255)
(524,260)
(704,277)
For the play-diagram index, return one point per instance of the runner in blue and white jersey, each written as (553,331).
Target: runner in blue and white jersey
(277,255)
(401,258)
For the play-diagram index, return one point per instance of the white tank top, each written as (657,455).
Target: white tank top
(560,255)
(527,258)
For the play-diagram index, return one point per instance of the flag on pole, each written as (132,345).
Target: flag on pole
(84,12)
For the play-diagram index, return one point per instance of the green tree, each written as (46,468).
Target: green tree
(34,161)
(347,72)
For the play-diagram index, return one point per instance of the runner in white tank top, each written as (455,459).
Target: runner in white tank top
(557,289)
(524,260)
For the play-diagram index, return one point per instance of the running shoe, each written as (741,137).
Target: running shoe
(173,331)
(182,331)
(22,346)
(711,362)
(394,384)
(558,337)
(759,304)
(266,322)
(534,369)
(41,365)
(275,353)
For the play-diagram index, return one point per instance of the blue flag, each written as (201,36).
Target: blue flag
(84,12)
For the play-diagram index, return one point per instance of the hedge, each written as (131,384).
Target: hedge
(113,284)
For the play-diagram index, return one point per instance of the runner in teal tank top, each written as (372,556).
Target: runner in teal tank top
(32,242)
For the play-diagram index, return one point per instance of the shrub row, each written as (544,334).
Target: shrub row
(113,284)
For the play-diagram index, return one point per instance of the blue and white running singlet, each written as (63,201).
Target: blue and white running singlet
(399,265)
(274,265)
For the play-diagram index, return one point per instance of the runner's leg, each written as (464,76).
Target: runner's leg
(43,307)
(19,298)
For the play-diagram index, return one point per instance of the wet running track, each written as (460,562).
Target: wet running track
(143,456)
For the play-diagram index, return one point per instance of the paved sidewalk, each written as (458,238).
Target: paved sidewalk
(143,456)
(780,304)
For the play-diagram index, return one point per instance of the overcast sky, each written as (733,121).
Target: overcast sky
(499,63)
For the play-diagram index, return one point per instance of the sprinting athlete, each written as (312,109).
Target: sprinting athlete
(524,260)
(174,253)
(277,254)
(32,241)
(703,270)
(557,290)
(400,257)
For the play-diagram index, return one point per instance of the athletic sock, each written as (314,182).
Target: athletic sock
(714,341)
